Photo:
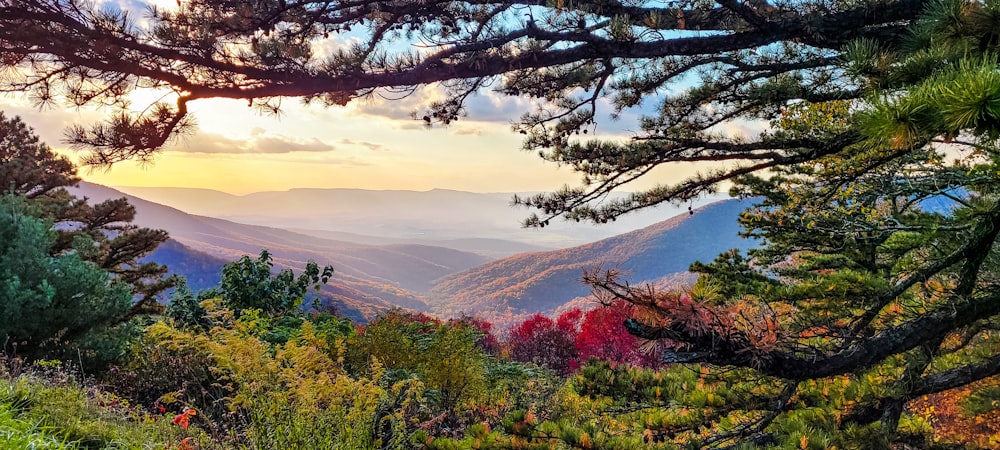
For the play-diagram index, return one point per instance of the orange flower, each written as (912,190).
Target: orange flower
(184,418)
(187,444)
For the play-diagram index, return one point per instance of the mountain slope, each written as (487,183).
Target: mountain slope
(492,248)
(382,275)
(201,270)
(427,217)
(544,281)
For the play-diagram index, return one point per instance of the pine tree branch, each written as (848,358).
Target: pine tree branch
(735,348)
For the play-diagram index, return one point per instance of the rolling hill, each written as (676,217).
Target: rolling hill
(437,217)
(493,248)
(376,276)
(374,273)
(201,270)
(545,281)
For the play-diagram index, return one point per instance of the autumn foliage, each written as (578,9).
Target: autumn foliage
(565,343)
(603,336)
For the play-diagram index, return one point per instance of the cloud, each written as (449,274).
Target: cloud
(369,145)
(413,125)
(741,128)
(491,109)
(467,130)
(484,106)
(49,123)
(490,106)
(258,143)
(397,106)
(352,162)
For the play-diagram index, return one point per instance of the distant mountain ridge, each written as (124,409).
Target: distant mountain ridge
(376,273)
(545,281)
(432,217)
(367,278)
(493,248)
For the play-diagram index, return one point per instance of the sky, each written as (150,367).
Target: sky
(367,145)
(238,151)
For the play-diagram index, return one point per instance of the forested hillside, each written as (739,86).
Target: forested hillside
(410,275)
(368,278)
(199,269)
(544,281)
(432,217)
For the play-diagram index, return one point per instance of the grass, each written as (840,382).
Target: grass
(18,433)
(37,413)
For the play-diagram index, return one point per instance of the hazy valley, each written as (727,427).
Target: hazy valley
(456,219)
(444,266)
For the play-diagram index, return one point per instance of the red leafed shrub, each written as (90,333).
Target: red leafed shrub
(603,336)
(184,418)
(488,342)
(573,337)
(545,342)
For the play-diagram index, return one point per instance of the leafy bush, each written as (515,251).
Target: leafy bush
(249,284)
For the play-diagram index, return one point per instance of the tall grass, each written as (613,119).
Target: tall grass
(41,412)
(18,433)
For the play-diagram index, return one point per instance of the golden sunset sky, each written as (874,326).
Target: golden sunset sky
(238,151)
(368,144)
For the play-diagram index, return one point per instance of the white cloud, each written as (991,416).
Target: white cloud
(741,128)
(368,145)
(258,143)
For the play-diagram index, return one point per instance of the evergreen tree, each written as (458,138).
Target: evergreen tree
(747,59)
(53,306)
(185,308)
(879,209)
(32,170)
(878,262)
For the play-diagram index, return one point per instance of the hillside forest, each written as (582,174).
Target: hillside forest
(866,317)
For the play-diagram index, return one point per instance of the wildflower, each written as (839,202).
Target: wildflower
(187,444)
(184,418)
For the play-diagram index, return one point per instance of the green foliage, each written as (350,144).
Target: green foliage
(55,306)
(185,309)
(249,284)
(20,433)
(982,401)
(100,233)
(300,396)
(173,368)
(445,357)
(31,168)
(876,281)
(51,412)
(323,385)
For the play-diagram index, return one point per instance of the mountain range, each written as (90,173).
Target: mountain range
(545,281)
(444,272)
(437,217)
(367,278)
